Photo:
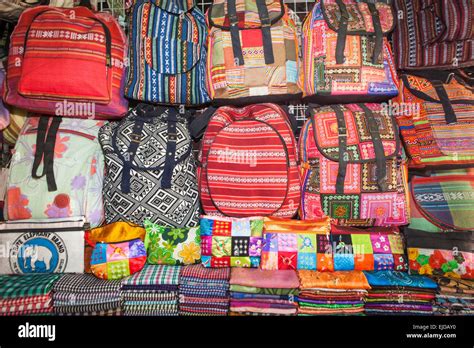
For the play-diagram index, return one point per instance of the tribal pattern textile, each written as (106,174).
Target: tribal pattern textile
(167,45)
(434,34)
(376,248)
(248,163)
(228,242)
(431,138)
(294,244)
(352,166)
(443,202)
(155,183)
(48,48)
(172,246)
(28,285)
(252,60)
(352,64)
(441,254)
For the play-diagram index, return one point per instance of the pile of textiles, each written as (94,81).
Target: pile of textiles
(258,292)
(204,291)
(151,292)
(454,297)
(27,294)
(395,293)
(84,294)
(332,293)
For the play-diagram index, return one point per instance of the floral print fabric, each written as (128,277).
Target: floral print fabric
(172,246)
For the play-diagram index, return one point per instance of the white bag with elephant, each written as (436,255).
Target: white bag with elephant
(42,246)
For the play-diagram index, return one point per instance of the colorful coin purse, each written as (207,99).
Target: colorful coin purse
(231,242)
(118,260)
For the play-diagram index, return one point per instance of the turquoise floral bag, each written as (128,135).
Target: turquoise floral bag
(172,246)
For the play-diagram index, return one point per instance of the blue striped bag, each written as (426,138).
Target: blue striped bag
(167,53)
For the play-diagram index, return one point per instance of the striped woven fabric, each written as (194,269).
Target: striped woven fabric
(259,65)
(96,307)
(107,313)
(430,140)
(248,163)
(61,43)
(167,53)
(434,34)
(129,296)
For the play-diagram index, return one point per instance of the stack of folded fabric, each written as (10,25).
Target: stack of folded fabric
(84,294)
(454,297)
(259,292)
(27,294)
(204,291)
(395,293)
(151,292)
(332,293)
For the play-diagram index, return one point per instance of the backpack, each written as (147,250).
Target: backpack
(435,112)
(167,53)
(150,169)
(253,52)
(248,163)
(352,169)
(435,34)
(67,62)
(346,54)
(56,171)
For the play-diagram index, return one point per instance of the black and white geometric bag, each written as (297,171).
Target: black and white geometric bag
(151,171)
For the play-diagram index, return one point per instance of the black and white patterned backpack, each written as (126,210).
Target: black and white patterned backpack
(150,168)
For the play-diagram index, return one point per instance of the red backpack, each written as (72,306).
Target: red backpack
(248,163)
(67,62)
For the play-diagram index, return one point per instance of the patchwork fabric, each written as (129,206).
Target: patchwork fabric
(443,202)
(431,137)
(167,44)
(118,260)
(441,254)
(348,62)
(434,34)
(228,242)
(352,166)
(370,249)
(158,181)
(261,60)
(294,245)
(172,246)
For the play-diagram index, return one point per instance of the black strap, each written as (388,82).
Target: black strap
(291,118)
(266,31)
(380,160)
(135,139)
(170,161)
(343,154)
(341,33)
(45,144)
(86,3)
(199,124)
(378,32)
(234,32)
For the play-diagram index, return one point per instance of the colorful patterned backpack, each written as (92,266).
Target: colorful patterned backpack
(346,54)
(434,34)
(56,171)
(150,169)
(253,52)
(435,112)
(248,163)
(167,53)
(443,201)
(67,62)
(352,169)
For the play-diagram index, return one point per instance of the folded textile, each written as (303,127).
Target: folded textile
(27,285)
(149,296)
(254,290)
(454,297)
(26,308)
(253,277)
(108,313)
(198,273)
(153,276)
(24,300)
(333,280)
(97,307)
(84,298)
(399,279)
(85,283)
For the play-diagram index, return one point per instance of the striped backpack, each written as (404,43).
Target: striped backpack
(253,52)
(352,169)
(67,62)
(346,54)
(248,163)
(435,112)
(167,53)
(434,34)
